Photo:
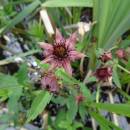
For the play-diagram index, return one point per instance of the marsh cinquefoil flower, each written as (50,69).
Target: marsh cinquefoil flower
(103,73)
(106,57)
(62,52)
(50,82)
(121,53)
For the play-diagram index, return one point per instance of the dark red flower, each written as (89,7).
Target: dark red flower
(106,57)
(120,53)
(79,98)
(50,82)
(103,73)
(62,52)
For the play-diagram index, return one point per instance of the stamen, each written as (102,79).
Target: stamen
(60,50)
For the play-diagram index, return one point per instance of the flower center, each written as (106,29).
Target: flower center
(60,51)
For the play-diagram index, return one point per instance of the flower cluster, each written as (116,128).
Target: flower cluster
(60,54)
(104,72)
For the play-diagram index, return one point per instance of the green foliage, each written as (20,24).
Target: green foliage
(66,3)
(111,21)
(66,78)
(13,100)
(72,109)
(116,77)
(38,105)
(86,92)
(8,82)
(125,77)
(36,30)
(21,16)
(22,75)
(66,125)
(105,124)
(122,109)
(82,112)
(10,88)
(43,66)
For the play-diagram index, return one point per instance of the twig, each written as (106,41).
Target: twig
(47,22)
(81,65)
(45,119)
(94,126)
(115,117)
(98,93)
(77,25)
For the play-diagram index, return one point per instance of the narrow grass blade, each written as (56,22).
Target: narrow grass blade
(68,3)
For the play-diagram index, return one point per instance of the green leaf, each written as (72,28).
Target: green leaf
(22,74)
(64,124)
(111,21)
(72,109)
(8,82)
(9,87)
(77,125)
(91,79)
(105,124)
(82,112)
(120,29)
(36,30)
(13,100)
(59,100)
(128,63)
(60,117)
(43,66)
(66,3)
(126,95)
(85,92)
(101,121)
(122,109)
(4,94)
(115,77)
(125,44)
(65,77)
(103,18)
(28,10)
(38,105)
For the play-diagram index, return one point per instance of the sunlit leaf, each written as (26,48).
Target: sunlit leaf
(115,77)
(121,109)
(66,3)
(105,124)
(72,108)
(38,105)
